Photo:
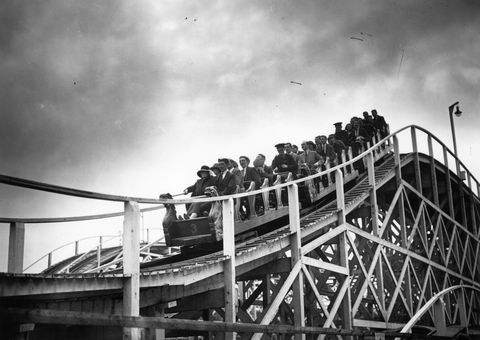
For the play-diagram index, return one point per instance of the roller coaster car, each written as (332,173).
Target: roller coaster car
(190,232)
(200,230)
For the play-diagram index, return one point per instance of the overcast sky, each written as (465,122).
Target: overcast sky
(132,97)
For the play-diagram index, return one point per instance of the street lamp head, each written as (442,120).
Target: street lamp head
(458,113)
(451,107)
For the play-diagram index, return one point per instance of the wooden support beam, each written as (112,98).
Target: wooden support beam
(374,224)
(273,309)
(448,184)
(80,318)
(433,172)
(229,264)
(402,220)
(16,247)
(296,257)
(131,266)
(416,161)
(346,303)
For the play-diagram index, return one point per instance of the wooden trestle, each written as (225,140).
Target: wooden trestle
(369,259)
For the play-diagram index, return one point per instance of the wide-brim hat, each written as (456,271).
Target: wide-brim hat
(280,145)
(204,168)
(218,166)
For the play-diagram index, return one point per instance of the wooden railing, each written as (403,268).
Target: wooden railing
(131,226)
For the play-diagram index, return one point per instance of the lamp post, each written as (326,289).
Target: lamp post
(458,113)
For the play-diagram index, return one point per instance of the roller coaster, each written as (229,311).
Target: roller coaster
(391,252)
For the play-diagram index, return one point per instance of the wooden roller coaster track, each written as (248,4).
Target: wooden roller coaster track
(372,257)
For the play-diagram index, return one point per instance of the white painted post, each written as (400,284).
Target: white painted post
(16,247)
(439,317)
(347,317)
(229,264)
(131,266)
(296,245)
(416,161)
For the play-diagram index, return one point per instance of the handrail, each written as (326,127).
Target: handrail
(72,219)
(93,195)
(111,237)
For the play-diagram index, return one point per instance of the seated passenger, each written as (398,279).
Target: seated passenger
(225,180)
(198,189)
(289,151)
(308,160)
(341,134)
(263,170)
(249,174)
(338,147)
(295,149)
(232,167)
(283,163)
(325,150)
(380,124)
(367,124)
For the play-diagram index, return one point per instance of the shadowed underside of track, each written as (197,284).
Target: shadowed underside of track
(406,234)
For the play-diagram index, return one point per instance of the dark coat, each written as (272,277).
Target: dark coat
(251,175)
(281,159)
(265,172)
(329,152)
(198,189)
(227,185)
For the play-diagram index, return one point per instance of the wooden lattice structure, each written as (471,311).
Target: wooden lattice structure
(399,247)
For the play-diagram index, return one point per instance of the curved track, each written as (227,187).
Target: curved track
(368,258)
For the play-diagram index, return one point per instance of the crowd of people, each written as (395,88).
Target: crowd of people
(228,176)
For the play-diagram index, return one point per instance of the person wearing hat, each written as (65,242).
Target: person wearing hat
(309,159)
(264,170)
(224,179)
(283,163)
(325,150)
(248,173)
(380,124)
(341,134)
(198,189)
(338,147)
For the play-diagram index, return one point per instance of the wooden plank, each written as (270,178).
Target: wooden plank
(448,184)
(229,264)
(322,239)
(433,172)
(79,318)
(131,266)
(318,263)
(416,161)
(16,247)
(296,257)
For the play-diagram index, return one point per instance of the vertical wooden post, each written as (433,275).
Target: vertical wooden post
(472,206)
(402,220)
(448,184)
(433,172)
(462,308)
(229,264)
(16,247)
(296,245)
(350,156)
(439,317)
(416,162)
(131,266)
(160,332)
(347,317)
(374,223)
